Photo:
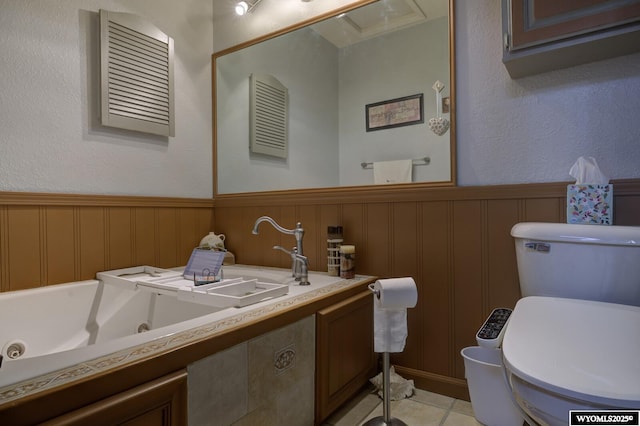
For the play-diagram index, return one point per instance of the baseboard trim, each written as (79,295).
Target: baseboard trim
(455,388)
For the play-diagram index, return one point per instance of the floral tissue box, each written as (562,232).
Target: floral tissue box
(590,204)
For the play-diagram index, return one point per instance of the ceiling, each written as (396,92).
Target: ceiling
(360,24)
(378,18)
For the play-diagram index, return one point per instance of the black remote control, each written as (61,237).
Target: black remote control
(491,332)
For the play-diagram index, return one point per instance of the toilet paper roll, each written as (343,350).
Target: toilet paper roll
(396,293)
(394,296)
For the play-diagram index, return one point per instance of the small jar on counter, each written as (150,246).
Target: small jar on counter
(347,261)
(334,241)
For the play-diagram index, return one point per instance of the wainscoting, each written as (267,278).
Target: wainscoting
(455,242)
(55,238)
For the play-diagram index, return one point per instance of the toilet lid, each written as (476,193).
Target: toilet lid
(577,348)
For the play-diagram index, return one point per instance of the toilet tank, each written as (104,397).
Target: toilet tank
(592,262)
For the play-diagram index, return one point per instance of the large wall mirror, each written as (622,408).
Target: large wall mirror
(359,88)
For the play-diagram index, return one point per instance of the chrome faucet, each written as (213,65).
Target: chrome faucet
(299,265)
(299,262)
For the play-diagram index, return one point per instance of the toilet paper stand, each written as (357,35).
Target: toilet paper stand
(385,419)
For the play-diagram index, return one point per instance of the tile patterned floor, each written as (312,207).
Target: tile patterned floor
(422,409)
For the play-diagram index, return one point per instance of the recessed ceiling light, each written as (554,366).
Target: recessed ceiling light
(242,8)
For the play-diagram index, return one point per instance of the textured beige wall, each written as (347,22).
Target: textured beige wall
(51,139)
(534,128)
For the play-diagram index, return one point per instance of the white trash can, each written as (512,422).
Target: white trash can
(490,395)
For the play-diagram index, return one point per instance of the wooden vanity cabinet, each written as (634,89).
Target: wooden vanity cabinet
(543,35)
(161,402)
(345,360)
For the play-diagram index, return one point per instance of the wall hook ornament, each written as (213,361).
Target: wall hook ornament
(438,124)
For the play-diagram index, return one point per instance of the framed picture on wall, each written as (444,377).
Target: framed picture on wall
(395,112)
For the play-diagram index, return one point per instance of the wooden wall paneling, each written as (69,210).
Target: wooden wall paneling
(468,218)
(502,273)
(24,247)
(254,248)
(120,238)
(544,210)
(454,241)
(92,242)
(436,301)
(354,223)
(228,221)
(374,257)
(626,210)
(144,239)
(42,247)
(4,250)
(204,223)
(194,224)
(56,238)
(405,257)
(404,232)
(465,255)
(60,244)
(167,232)
(188,235)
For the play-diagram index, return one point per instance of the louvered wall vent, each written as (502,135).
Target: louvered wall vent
(136,75)
(269,116)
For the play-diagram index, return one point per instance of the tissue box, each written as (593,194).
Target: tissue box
(590,204)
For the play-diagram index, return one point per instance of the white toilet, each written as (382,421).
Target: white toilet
(573,340)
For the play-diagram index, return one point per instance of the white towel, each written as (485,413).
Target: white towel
(397,171)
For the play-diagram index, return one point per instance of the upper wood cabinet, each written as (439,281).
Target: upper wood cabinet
(543,35)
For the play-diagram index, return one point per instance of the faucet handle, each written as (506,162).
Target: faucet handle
(293,254)
(290,253)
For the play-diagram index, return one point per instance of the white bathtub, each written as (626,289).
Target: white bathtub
(55,327)
(49,328)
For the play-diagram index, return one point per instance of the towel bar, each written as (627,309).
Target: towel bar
(424,161)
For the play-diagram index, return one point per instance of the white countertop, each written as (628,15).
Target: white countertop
(96,359)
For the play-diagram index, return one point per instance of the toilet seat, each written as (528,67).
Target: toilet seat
(578,349)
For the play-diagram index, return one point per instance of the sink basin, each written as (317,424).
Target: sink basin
(262,275)
(240,286)
(237,292)
(233,292)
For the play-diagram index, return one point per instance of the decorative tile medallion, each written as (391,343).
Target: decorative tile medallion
(285,358)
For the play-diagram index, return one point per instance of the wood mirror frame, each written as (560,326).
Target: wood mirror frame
(339,190)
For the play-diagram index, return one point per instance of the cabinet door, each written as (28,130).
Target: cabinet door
(539,21)
(345,359)
(162,402)
(546,35)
